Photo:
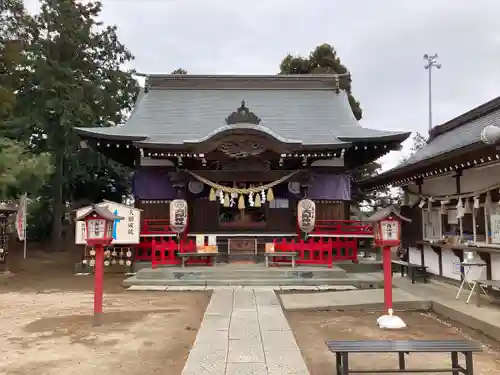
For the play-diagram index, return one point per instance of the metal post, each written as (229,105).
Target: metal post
(431,63)
(386,253)
(98,284)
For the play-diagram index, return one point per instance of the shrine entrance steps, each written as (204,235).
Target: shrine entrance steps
(251,275)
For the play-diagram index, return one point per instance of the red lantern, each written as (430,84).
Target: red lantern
(99,223)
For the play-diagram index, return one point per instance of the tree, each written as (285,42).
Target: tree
(418,141)
(20,170)
(73,77)
(322,60)
(179,71)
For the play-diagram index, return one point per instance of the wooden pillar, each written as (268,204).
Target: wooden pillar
(420,182)
(457,176)
(460,254)
(486,257)
(439,253)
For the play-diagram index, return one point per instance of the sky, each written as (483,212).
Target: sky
(382,43)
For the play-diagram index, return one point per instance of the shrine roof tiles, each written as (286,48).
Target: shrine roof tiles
(182,108)
(455,135)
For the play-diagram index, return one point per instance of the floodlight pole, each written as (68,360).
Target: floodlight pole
(431,63)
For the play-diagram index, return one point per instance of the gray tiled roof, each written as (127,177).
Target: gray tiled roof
(313,117)
(464,135)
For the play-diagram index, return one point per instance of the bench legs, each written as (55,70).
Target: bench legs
(402,364)
(342,362)
(293,262)
(454,362)
(469,367)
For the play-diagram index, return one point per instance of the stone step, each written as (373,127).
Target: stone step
(358,283)
(209,273)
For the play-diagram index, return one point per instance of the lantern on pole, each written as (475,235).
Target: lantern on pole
(99,223)
(306,215)
(387,234)
(178,215)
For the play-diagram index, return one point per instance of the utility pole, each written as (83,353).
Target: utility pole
(431,63)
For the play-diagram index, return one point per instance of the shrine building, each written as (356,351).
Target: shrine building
(451,190)
(242,151)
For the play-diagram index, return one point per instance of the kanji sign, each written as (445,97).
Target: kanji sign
(126,231)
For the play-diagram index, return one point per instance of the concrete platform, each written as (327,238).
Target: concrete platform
(250,275)
(239,271)
(372,299)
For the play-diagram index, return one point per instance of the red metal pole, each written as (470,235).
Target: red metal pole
(387,277)
(98,283)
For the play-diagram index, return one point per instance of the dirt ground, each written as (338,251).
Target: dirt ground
(46,323)
(312,329)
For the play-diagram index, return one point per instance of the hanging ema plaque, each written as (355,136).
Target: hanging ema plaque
(306,215)
(178,215)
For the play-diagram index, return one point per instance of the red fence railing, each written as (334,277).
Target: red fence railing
(165,251)
(319,251)
(343,227)
(156,226)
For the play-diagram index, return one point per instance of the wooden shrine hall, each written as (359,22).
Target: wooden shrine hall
(242,151)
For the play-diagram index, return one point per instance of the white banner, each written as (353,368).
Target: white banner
(125,231)
(21,217)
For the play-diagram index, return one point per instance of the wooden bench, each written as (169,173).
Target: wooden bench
(212,256)
(414,270)
(479,285)
(342,349)
(280,254)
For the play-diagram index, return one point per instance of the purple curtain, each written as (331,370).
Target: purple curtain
(153,183)
(329,186)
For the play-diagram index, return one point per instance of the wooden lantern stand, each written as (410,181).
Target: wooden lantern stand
(387,234)
(99,223)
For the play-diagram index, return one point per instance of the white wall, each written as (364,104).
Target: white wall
(431,260)
(449,259)
(495,267)
(414,256)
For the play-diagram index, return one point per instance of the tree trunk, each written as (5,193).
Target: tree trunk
(57,200)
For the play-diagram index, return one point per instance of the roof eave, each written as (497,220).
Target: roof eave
(398,172)
(398,137)
(89,134)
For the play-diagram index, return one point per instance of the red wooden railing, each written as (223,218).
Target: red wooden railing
(319,251)
(160,245)
(156,226)
(164,251)
(343,227)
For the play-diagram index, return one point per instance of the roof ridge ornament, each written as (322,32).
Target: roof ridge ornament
(243,116)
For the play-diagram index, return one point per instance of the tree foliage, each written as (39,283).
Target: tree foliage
(71,76)
(323,60)
(20,169)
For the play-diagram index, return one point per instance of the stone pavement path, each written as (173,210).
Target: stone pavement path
(244,332)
